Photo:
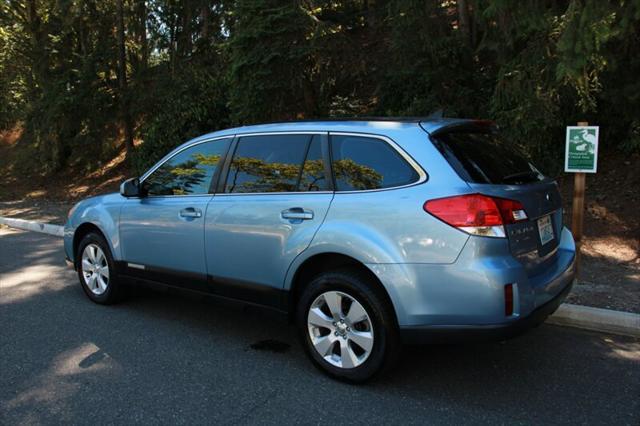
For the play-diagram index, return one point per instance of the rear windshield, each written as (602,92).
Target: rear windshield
(481,157)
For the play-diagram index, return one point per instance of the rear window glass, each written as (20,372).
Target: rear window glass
(486,158)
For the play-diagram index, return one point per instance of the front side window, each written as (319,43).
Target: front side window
(276,163)
(361,163)
(189,172)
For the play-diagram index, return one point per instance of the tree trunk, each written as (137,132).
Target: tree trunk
(204,16)
(35,79)
(122,80)
(463,20)
(172,47)
(142,34)
(184,40)
(474,22)
(370,13)
(309,96)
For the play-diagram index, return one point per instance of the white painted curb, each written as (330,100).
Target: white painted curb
(597,319)
(32,225)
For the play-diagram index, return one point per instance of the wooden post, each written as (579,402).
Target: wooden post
(579,184)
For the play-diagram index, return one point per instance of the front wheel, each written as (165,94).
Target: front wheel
(347,327)
(96,271)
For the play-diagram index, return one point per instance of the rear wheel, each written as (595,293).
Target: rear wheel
(96,272)
(347,328)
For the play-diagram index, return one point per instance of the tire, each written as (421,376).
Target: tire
(349,353)
(101,285)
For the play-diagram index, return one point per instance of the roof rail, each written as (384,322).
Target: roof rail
(434,116)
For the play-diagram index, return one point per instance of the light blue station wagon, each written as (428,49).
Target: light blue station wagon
(369,233)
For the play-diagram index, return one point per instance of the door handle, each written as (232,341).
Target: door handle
(190,212)
(297,213)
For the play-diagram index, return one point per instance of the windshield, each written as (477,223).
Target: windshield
(482,157)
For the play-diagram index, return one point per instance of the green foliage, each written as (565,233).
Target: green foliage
(194,66)
(526,97)
(554,68)
(190,104)
(269,54)
(56,63)
(12,83)
(585,28)
(431,67)
(632,142)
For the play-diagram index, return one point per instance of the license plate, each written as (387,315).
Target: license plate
(545,229)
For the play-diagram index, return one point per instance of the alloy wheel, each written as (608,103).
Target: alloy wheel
(95,269)
(340,329)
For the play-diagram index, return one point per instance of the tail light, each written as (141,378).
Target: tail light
(477,214)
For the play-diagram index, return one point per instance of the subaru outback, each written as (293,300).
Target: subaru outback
(368,233)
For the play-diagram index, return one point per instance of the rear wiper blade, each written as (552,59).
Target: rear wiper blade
(522,175)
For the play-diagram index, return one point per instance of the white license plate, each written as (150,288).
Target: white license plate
(545,229)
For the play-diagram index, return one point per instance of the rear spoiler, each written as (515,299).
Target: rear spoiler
(468,126)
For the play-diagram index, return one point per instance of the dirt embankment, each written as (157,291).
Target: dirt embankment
(610,274)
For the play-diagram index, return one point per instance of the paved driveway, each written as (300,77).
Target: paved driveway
(166,357)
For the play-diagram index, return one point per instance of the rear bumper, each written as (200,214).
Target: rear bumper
(470,291)
(491,332)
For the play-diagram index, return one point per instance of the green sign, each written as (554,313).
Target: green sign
(581,152)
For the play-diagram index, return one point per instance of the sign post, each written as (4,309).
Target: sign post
(581,157)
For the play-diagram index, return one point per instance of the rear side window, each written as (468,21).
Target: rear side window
(361,163)
(276,163)
(485,158)
(189,172)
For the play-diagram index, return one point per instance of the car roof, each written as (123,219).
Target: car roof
(350,124)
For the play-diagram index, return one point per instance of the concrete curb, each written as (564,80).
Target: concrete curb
(32,225)
(596,319)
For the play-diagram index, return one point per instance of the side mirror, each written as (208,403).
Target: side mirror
(131,188)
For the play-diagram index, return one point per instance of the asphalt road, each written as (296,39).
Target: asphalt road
(166,357)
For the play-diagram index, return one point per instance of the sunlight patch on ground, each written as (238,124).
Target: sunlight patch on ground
(37,193)
(61,381)
(83,359)
(5,230)
(629,351)
(45,211)
(114,181)
(614,249)
(115,162)
(598,211)
(11,136)
(27,282)
(77,190)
